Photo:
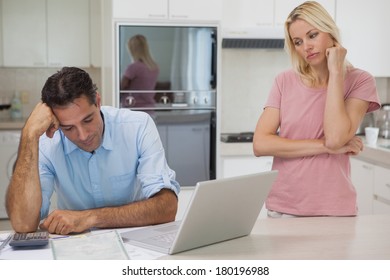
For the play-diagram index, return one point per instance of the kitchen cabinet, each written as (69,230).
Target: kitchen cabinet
(96,33)
(243,165)
(68,33)
(362,176)
(204,10)
(1,38)
(364,32)
(248,13)
(381,190)
(372,183)
(262,13)
(46,33)
(24,33)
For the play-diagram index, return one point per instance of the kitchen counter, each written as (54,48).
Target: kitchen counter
(377,154)
(9,124)
(363,237)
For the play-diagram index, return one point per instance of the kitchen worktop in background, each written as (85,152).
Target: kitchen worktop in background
(377,154)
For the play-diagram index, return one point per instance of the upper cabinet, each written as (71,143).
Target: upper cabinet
(68,33)
(202,10)
(46,33)
(24,33)
(1,38)
(284,7)
(365,34)
(240,15)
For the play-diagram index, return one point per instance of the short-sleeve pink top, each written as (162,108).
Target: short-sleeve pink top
(314,185)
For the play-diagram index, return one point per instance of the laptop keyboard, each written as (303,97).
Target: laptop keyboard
(165,238)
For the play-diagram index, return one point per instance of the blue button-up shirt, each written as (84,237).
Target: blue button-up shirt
(129,165)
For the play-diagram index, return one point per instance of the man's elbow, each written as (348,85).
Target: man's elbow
(24,227)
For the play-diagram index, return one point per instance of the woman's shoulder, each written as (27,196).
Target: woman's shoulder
(287,77)
(354,74)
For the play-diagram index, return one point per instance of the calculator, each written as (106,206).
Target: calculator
(31,239)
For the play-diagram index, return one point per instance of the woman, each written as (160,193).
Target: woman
(140,75)
(310,119)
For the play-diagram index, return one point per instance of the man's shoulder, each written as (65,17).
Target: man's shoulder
(114,115)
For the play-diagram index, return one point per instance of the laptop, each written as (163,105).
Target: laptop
(219,210)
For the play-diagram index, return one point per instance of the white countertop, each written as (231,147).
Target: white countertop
(365,237)
(376,154)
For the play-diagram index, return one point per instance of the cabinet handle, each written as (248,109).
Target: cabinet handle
(368,167)
(156,15)
(180,16)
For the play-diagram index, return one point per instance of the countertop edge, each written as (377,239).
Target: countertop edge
(375,154)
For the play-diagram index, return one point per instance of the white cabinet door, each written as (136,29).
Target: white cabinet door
(68,33)
(381,207)
(247,13)
(195,10)
(167,9)
(362,175)
(24,33)
(365,34)
(1,37)
(96,33)
(243,165)
(44,33)
(382,190)
(135,9)
(284,7)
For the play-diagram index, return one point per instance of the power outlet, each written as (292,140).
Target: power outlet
(25,97)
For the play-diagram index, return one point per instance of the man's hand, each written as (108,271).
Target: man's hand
(42,120)
(65,222)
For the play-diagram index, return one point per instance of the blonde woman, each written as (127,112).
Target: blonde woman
(141,74)
(310,119)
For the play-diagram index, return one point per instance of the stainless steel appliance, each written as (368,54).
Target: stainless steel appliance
(184,99)
(383,121)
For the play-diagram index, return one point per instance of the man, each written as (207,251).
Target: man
(106,165)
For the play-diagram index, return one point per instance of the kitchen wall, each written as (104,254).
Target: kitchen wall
(30,81)
(247,77)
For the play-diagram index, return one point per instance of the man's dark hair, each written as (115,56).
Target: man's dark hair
(66,85)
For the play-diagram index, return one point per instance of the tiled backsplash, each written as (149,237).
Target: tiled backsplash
(30,81)
(247,77)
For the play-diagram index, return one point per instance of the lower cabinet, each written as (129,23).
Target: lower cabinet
(362,175)
(381,204)
(372,183)
(242,165)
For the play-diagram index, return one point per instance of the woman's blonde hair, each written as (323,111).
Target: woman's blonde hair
(314,14)
(139,50)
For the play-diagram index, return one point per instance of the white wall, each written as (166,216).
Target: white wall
(247,77)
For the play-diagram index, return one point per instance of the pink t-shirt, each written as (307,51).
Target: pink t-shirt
(314,185)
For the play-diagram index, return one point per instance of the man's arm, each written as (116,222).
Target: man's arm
(24,196)
(160,208)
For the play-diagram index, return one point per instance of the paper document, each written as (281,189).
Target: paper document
(100,246)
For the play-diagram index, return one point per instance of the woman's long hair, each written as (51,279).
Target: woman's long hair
(139,50)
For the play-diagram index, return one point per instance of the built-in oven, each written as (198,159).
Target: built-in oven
(182,101)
